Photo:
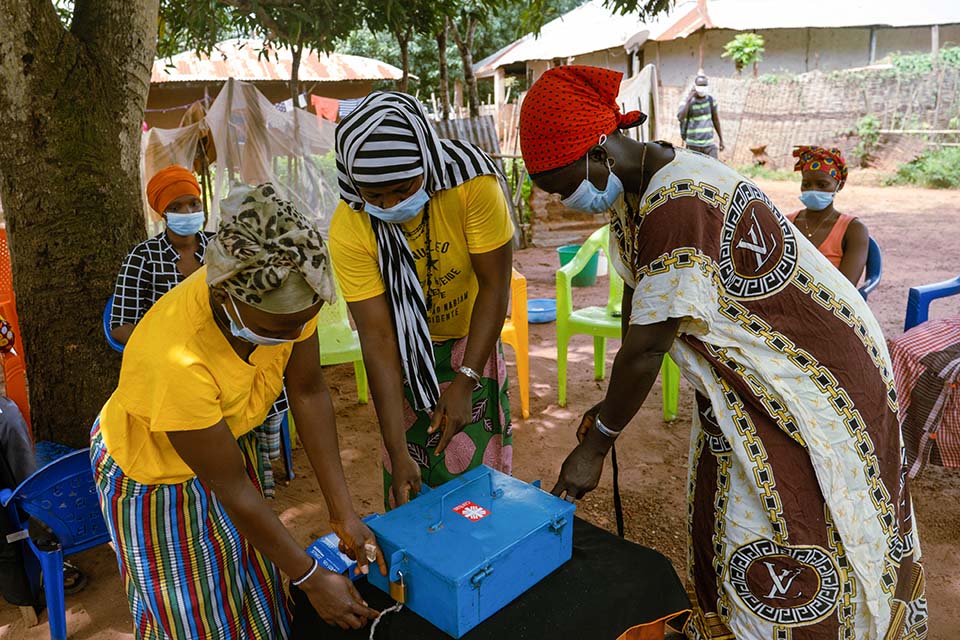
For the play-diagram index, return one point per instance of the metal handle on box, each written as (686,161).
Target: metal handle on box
(493,493)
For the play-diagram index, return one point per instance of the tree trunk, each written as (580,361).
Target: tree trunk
(444,71)
(403,39)
(465,46)
(71,108)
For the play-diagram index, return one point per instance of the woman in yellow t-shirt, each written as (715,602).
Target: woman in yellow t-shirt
(422,248)
(174,453)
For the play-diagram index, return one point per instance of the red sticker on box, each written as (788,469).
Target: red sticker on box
(471,511)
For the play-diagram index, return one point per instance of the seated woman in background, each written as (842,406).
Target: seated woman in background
(842,238)
(162,262)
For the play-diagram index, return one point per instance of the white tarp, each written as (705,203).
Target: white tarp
(255,143)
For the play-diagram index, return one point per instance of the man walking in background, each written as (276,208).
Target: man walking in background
(698,118)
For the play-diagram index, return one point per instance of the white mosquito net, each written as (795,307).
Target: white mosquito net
(252,142)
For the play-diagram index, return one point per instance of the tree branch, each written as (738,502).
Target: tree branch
(456,34)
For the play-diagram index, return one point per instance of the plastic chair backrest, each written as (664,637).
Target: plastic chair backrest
(6,271)
(518,299)
(874,270)
(63,496)
(919,299)
(599,240)
(333,323)
(107,311)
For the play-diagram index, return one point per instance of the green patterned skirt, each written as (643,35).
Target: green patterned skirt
(488,439)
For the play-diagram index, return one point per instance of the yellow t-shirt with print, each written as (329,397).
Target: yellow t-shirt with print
(470,218)
(179,373)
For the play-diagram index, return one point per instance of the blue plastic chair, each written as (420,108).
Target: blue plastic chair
(107,310)
(919,299)
(874,269)
(62,495)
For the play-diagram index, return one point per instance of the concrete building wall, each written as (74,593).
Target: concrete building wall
(791,50)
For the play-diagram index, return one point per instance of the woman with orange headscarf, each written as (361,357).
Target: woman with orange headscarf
(842,238)
(800,520)
(160,263)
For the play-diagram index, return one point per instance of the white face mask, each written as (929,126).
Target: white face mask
(240,330)
(702,90)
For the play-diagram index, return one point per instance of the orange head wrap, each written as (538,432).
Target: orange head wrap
(168,185)
(565,113)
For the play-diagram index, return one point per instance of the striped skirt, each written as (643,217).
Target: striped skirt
(188,572)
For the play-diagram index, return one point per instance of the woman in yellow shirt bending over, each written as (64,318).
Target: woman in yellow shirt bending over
(174,453)
(423,238)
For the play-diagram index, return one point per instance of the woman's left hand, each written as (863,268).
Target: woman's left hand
(453,412)
(358,542)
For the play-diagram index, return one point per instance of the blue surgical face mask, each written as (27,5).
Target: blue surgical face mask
(589,199)
(185,224)
(817,200)
(402,211)
(244,333)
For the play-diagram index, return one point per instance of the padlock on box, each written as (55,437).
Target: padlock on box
(463,551)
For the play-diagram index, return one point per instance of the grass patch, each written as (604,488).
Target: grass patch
(763,173)
(934,169)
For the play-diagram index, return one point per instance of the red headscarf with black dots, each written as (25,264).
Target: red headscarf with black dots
(566,112)
(830,161)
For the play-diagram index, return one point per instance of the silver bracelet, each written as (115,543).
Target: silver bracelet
(604,430)
(299,581)
(473,375)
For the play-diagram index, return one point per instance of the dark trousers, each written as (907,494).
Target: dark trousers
(710,150)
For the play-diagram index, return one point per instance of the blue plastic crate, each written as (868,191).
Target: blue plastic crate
(472,545)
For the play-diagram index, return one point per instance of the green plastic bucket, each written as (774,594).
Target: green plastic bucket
(588,276)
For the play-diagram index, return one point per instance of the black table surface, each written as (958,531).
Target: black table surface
(607,587)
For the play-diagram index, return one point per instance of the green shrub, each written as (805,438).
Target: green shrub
(868,131)
(935,169)
(756,171)
(513,168)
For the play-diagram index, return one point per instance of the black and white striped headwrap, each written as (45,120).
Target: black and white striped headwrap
(388,138)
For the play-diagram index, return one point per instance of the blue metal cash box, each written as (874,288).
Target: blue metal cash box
(469,547)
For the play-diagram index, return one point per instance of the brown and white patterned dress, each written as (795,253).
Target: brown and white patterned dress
(800,521)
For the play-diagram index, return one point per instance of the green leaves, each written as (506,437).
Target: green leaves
(200,24)
(745,49)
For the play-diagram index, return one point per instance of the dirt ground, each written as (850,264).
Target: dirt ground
(919,231)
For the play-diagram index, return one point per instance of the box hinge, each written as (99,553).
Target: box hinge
(480,576)
(557,523)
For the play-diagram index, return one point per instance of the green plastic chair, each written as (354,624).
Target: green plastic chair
(339,342)
(601,323)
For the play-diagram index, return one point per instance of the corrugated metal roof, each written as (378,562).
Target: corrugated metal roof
(592,27)
(245,60)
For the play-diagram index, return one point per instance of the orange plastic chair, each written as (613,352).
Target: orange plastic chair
(515,334)
(14,366)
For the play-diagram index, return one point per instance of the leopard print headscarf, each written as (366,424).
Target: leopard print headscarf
(267,254)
